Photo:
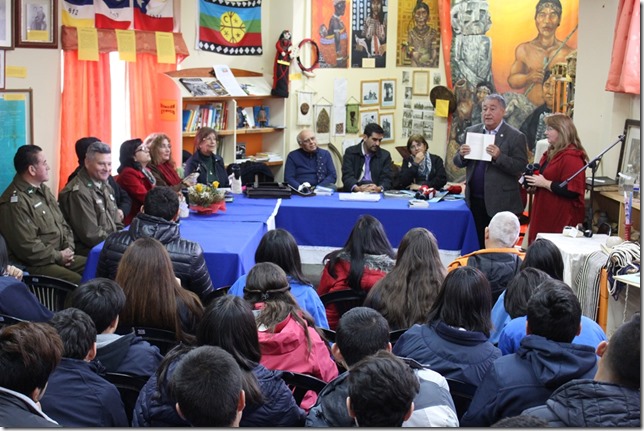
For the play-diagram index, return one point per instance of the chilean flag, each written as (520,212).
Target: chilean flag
(115,14)
(153,15)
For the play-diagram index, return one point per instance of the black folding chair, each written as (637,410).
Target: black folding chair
(51,292)
(300,384)
(214,294)
(163,339)
(129,387)
(343,300)
(462,394)
(395,335)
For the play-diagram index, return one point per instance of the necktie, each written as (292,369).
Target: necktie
(367,168)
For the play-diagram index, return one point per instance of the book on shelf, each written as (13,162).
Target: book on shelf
(207,115)
(218,88)
(262,114)
(197,87)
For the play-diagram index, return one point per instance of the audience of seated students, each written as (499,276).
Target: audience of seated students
(38,237)
(88,201)
(76,395)
(208,386)
(407,293)
(542,254)
(154,297)
(134,176)
(162,166)
(123,201)
(227,323)
(363,332)
(159,219)
(546,359)
(29,352)
(365,258)
(454,341)
(499,260)
(103,299)
(525,284)
(16,300)
(279,247)
(382,389)
(288,337)
(612,398)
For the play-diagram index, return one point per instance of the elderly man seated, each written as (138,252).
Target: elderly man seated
(499,260)
(309,166)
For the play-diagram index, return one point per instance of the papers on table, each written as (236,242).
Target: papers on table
(360,196)
(478,142)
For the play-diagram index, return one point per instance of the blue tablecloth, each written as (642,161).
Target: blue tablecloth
(327,221)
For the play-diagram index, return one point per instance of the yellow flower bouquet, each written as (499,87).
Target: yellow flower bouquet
(204,196)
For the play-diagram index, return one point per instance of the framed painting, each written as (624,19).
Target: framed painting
(370,93)
(36,24)
(631,150)
(6,24)
(420,83)
(16,113)
(387,124)
(388,92)
(368,116)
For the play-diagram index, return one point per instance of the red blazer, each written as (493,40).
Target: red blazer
(136,184)
(550,212)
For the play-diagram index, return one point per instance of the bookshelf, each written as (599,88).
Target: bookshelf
(173,98)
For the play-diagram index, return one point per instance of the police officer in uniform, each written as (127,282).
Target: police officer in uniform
(88,201)
(38,237)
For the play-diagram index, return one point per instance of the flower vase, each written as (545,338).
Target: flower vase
(201,210)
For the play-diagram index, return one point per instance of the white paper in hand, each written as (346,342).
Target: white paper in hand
(478,142)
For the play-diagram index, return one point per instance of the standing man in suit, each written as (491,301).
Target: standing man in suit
(493,186)
(365,166)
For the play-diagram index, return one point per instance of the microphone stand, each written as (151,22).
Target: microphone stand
(593,164)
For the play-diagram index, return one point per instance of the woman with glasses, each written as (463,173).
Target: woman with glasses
(557,205)
(205,161)
(421,168)
(161,164)
(134,175)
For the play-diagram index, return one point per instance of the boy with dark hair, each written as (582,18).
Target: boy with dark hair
(29,352)
(76,395)
(382,388)
(362,332)
(614,392)
(545,360)
(103,299)
(207,384)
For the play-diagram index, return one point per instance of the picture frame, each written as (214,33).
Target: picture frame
(368,116)
(16,107)
(6,17)
(387,124)
(388,93)
(2,68)
(370,93)
(631,149)
(420,83)
(36,24)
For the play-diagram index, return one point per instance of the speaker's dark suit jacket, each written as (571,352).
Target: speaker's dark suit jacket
(502,190)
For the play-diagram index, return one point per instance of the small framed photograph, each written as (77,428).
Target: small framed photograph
(388,92)
(6,24)
(2,65)
(387,124)
(36,24)
(368,116)
(420,83)
(631,149)
(370,93)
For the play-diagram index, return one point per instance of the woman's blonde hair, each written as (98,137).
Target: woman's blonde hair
(154,142)
(567,135)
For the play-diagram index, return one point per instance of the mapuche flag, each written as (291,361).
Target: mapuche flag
(230,27)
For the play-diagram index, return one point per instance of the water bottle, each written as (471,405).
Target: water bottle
(636,189)
(627,179)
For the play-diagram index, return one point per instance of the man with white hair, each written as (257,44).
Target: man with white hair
(310,165)
(499,260)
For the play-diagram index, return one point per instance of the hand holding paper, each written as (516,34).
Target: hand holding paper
(478,143)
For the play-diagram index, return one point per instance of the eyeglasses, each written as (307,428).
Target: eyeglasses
(142,148)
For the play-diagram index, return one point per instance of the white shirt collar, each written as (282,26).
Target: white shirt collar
(29,401)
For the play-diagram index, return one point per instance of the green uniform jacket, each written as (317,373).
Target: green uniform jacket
(33,225)
(90,210)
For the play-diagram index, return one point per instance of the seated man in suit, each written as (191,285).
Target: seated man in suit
(499,260)
(158,219)
(76,395)
(366,167)
(103,299)
(546,359)
(309,164)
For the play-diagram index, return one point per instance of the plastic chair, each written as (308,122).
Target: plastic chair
(6,320)
(51,292)
(462,394)
(165,340)
(395,335)
(129,387)
(300,384)
(344,300)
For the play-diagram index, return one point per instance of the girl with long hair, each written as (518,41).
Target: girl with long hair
(407,293)
(154,295)
(366,257)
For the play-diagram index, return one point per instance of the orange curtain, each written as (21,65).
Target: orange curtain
(142,87)
(85,107)
(624,72)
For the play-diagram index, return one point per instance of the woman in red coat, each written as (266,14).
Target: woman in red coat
(556,206)
(366,257)
(134,176)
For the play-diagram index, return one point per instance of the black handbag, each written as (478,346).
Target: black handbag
(268,190)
